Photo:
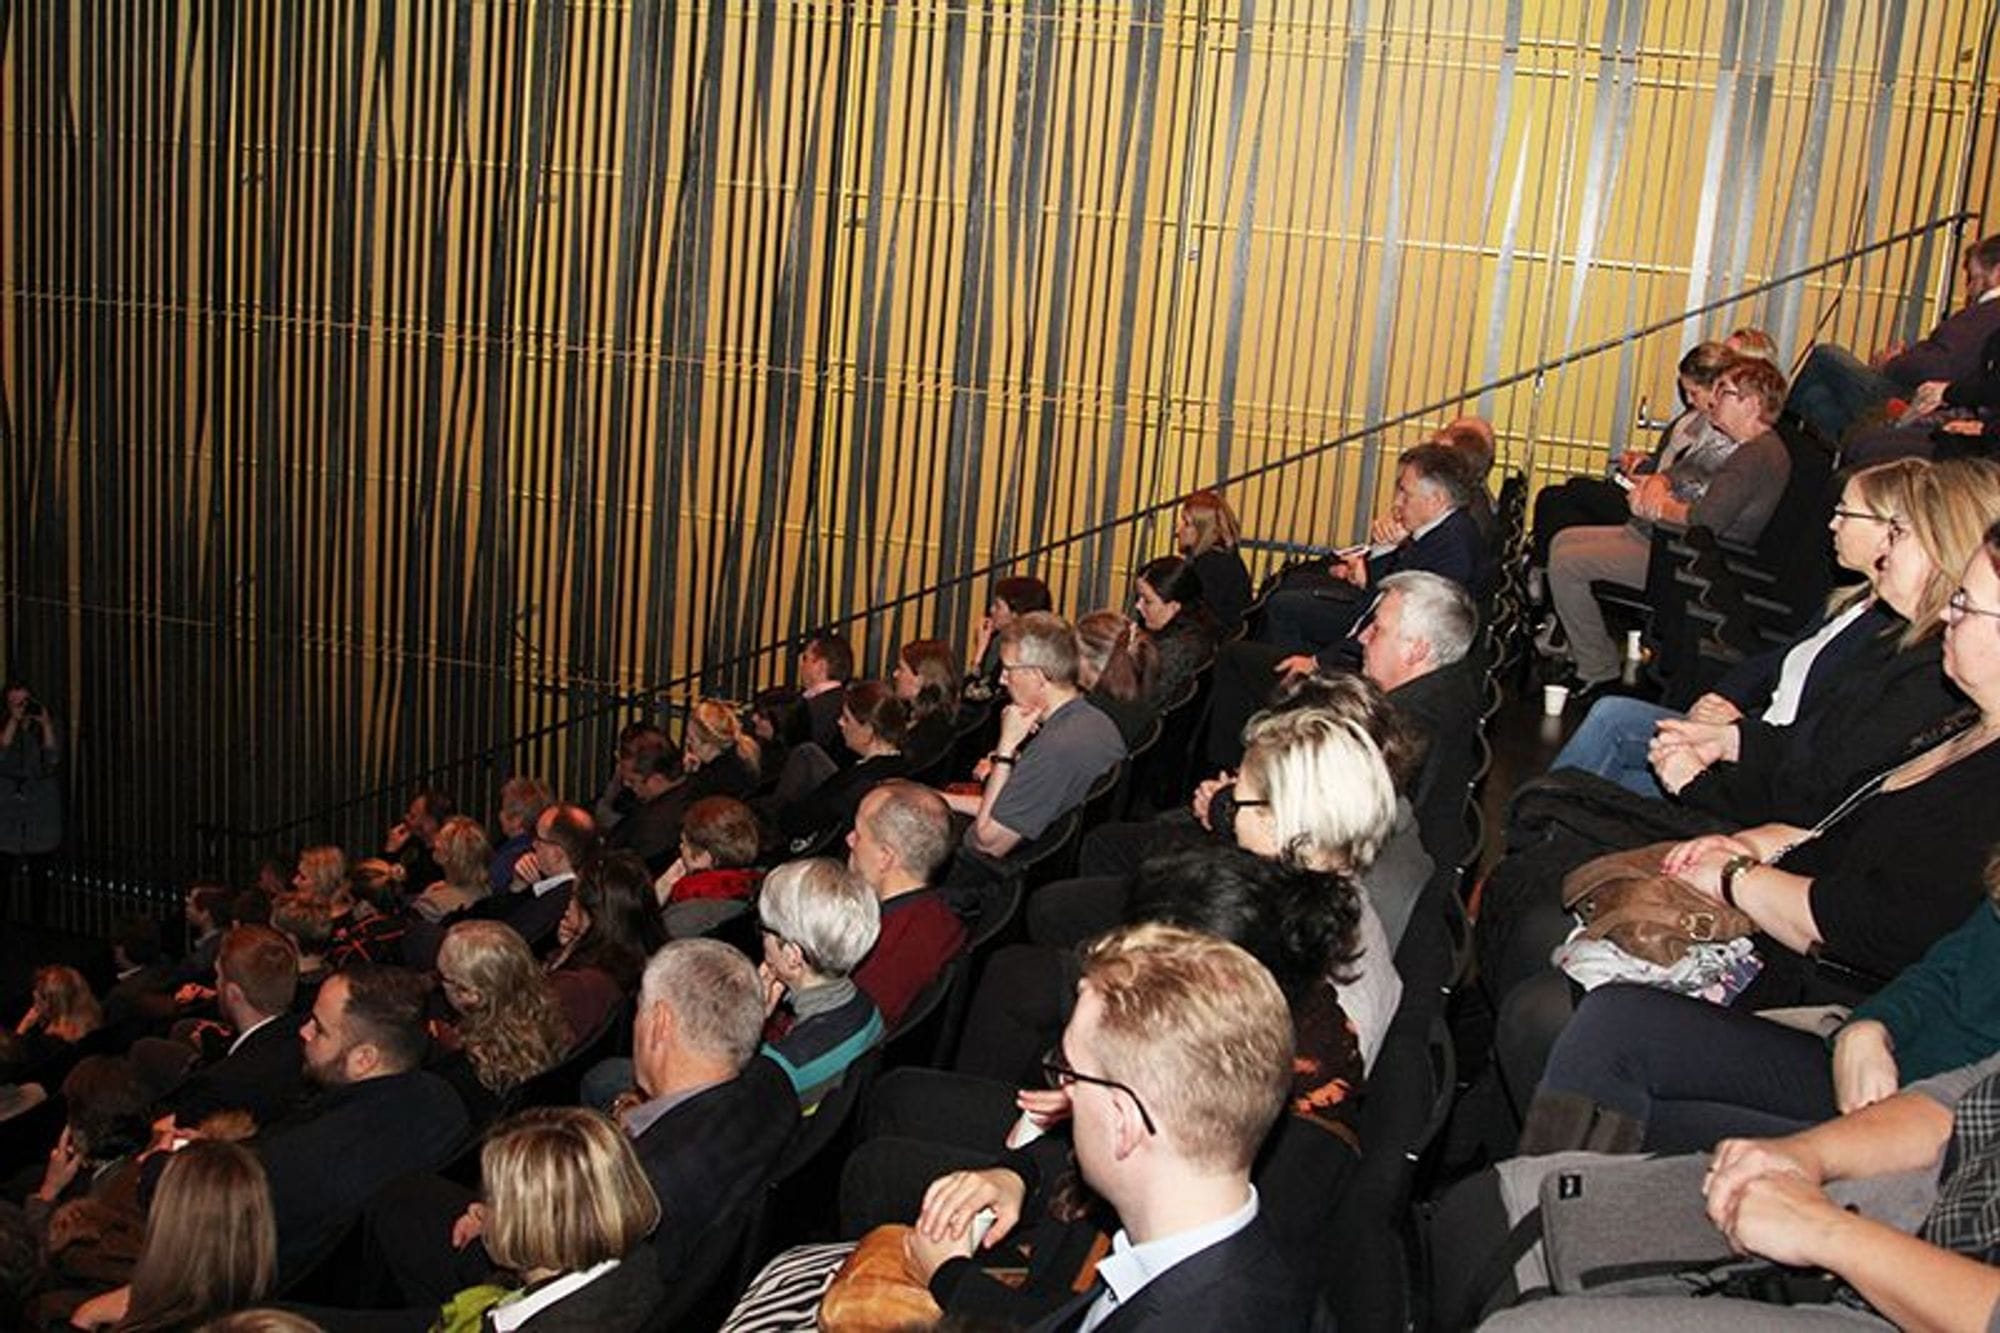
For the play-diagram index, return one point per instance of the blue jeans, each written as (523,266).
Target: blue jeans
(1612,743)
(1834,387)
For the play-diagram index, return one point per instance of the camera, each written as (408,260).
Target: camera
(34,708)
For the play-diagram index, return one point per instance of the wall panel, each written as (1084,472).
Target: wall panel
(382,383)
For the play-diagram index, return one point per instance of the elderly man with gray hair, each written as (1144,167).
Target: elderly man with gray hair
(818,922)
(708,1119)
(902,838)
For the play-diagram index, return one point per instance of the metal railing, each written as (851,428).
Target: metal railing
(215,835)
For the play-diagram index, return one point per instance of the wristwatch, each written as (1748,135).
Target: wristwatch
(1731,868)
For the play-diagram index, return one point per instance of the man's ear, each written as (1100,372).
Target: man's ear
(1128,1129)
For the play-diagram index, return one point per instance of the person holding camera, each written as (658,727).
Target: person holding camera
(30,795)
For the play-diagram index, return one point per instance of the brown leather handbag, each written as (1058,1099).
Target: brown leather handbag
(1623,897)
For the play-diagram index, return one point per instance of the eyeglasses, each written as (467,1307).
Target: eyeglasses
(1959,606)
(1009,668)
(1059,1074)
(1863,516)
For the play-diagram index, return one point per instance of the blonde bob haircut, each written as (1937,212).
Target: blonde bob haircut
(1213,521)
(465,855)
(1952,505)
(1333,802)
(564,1191)
(1199,1030)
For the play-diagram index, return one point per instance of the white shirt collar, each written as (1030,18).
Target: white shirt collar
(1989,294)
(815,691)
(1128,1268)
(512,1314)
(551,882)
(1425,530)
(244,1035)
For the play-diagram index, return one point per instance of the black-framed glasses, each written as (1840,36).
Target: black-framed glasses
(1060,1075)
(1009,668)
(1864,516)
(1959,605)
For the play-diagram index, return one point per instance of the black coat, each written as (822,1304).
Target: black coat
(264,1077)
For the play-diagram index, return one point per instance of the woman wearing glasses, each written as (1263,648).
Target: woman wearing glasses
(1753,737)
(1893,872)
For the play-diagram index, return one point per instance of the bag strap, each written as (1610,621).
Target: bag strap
(1484,1295)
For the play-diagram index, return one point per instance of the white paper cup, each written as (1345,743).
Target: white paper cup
(1554,699)
(1632,637)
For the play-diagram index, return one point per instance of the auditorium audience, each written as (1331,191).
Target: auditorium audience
(1835,390)
(1320,606)
(1736,501)
(545,878)
(707,1119)
(564,1213)
(522,800)
(61,1024)
(606,934)
(1871,515)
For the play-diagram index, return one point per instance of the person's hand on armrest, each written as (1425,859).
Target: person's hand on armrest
(1714,710)
(943,1230)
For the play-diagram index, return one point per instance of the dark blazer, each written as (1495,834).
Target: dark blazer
(1750,683)
(1452,549)
(1242,1285)
(324,1164)
(1442,706)
(1225,585)
(834,803)
(1856,718)
(533,916)
(824,710)
(265,1077)
(709,1156)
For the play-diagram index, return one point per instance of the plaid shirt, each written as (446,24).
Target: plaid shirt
(1966,1217)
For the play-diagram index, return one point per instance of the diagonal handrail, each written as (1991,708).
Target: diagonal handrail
(1536,372)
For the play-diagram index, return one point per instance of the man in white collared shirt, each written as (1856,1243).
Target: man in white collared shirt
(1176,1063)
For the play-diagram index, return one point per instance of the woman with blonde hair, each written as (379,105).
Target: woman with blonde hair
(510,1025)
(718,755)
(322,872)
(211,1245)
(61,1023)
(1888,687)
(1771,693)
(1206,533)
(465,857)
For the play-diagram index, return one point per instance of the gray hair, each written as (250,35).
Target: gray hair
(713,989)
(913,821)
(1045,641)
(825,909)
(1436,610)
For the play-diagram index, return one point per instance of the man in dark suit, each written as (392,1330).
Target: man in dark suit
(544,878)
(708,1120)
(142,997)
(381,1116)
(1432,530)
(1176,1062)
(824,668)
(262,1073)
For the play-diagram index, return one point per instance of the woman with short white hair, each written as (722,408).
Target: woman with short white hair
(818,922)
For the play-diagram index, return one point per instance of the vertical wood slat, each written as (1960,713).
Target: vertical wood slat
(383,382)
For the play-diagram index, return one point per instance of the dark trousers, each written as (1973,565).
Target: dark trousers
(1305,620)
(1024,998)
(408,1228)
(921,1124)
(1246,677)
(1580,502)
(1694,1072)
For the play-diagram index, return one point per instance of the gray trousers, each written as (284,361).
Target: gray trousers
(1576,557)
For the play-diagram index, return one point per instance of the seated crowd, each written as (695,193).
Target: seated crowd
(1068,1056)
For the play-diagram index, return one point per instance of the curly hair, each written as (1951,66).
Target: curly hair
(511,1026)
